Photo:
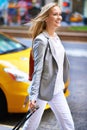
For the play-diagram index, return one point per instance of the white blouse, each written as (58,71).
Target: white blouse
(59,51)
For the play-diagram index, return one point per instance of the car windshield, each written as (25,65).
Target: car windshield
(7,45)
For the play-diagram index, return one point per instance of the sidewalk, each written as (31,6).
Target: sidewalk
(63,32)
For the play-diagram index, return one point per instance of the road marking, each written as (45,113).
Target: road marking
(77,52)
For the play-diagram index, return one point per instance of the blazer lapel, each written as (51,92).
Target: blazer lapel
(52,50)
(50,45)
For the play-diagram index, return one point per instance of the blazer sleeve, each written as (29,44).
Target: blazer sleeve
(39,51)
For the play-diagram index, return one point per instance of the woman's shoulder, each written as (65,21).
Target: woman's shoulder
(42,37)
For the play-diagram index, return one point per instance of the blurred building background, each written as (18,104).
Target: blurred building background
(17,12)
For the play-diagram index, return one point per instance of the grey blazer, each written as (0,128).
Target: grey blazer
(45,69)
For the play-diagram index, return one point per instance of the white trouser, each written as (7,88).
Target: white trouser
(60,108)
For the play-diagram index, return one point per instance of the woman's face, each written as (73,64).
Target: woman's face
(54,18)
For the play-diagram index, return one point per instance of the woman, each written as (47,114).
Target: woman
(50,65)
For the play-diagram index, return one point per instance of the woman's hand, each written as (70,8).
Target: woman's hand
(32,105)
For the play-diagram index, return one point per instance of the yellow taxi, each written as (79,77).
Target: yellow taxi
(76,17)
(14,59)
(14,83)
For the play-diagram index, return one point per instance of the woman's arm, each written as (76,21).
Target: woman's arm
(39,50)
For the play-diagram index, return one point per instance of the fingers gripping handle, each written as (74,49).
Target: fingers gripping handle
(28,114)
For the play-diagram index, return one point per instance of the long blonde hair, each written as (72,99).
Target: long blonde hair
(38,24)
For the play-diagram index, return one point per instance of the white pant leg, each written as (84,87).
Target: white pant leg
(62,112)
(33,122)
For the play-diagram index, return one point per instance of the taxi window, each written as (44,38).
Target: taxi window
(8,45)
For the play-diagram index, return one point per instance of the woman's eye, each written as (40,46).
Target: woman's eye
(55,14)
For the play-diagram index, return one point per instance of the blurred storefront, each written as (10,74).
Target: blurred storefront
(21,11)
(3,11)
(85,12)
(12,12)
(17,12)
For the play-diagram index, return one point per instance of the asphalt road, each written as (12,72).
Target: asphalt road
(77,54)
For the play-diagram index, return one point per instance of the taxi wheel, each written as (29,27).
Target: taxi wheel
(3,105)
